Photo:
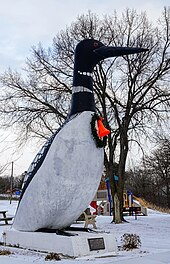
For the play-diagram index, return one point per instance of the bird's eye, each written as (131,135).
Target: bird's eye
(95,44)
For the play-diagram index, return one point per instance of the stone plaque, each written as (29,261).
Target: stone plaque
(96,243)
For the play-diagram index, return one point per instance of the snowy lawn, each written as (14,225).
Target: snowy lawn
(153,230)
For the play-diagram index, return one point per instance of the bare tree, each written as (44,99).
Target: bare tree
(159,163)
(4,184)
(151,179)
(132,92)
(142,184)
(140,98)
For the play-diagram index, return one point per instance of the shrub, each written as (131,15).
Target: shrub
(52,256)
(130,241)
(5,252)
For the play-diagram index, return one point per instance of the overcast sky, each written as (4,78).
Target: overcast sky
(25,23)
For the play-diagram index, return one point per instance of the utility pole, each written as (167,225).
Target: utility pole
(11,181)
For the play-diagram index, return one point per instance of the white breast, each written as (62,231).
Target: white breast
(66,182)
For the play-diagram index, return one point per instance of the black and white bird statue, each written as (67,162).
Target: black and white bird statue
(64,177)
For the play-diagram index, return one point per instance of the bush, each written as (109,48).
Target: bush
(5,252)
(130,241)
(52,256)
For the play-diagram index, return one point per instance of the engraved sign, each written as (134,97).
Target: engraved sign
(96,243)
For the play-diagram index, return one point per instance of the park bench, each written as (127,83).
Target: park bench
(88,218)
(4,218)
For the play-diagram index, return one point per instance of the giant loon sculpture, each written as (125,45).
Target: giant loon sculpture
(65,175)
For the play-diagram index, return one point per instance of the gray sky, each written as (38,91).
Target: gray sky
(25,23)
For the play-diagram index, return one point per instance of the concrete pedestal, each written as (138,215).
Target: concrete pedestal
(83,244)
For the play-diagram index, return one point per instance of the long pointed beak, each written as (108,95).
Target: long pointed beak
(107,52)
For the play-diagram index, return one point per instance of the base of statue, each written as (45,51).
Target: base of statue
(78,244)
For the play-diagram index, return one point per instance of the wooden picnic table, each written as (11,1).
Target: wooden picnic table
(4,217)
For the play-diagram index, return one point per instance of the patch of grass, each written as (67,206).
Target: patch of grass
(152,206)
(7,198)
(158,208)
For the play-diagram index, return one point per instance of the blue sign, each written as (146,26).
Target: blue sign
(116,178)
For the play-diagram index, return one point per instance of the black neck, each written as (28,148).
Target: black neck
(82,101)
(82,80)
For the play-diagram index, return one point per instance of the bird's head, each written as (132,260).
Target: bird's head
(89,52)
(85,56)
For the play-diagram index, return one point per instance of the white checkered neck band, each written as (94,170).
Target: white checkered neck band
(80,89)
(85,73)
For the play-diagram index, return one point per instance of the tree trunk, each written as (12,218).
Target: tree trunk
(121,170)
(117,212)
(168,196)
(116,193)
(117,187)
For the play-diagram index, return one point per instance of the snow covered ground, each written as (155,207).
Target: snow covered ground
(153,230)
